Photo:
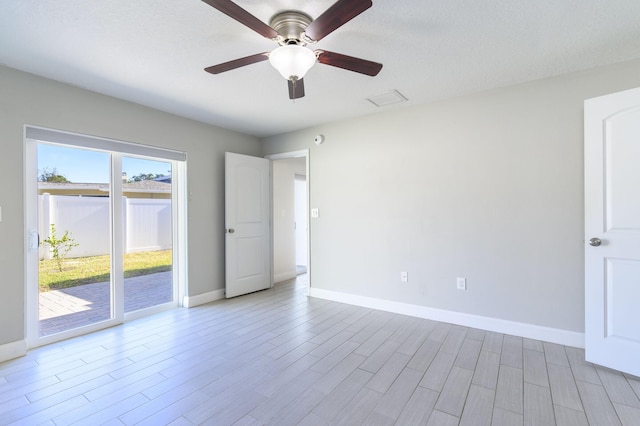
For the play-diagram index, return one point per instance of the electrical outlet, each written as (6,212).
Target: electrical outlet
(404,277)
(461,283)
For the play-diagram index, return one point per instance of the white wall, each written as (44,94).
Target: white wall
(284,220)
(487,187)
(27,99)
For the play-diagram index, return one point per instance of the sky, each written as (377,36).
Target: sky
(86,166)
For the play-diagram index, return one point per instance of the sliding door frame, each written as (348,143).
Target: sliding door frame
(117,149)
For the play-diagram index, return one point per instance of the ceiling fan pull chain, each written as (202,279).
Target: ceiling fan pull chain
(295,82)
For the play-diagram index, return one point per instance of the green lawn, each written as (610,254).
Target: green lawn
(87,270)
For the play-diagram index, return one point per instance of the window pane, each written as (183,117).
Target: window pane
(148,233)
(74,224)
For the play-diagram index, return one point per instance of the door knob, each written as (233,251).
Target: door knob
(231,230)
(595,242)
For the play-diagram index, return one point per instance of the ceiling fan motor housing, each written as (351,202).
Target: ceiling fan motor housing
(291,25)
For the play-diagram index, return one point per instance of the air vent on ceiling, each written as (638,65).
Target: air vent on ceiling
(387,98)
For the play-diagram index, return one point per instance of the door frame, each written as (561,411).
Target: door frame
(32,135)
(285,156)
(299,178)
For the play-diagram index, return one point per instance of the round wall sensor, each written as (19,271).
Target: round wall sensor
(318,139)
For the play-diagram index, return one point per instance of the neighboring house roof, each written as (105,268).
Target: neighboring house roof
(149,186)
(163,179)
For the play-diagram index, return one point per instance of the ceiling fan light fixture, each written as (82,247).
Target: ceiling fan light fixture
(292,61)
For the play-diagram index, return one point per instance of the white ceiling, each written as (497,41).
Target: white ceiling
(153,52)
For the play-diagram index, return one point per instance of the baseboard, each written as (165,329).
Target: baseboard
(201,299)
(13,350)
(531,331)
(284,276)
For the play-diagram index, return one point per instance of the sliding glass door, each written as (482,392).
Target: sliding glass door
(74,265)
(104,243)
(148,254)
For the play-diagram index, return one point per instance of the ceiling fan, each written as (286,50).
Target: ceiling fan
(293,31)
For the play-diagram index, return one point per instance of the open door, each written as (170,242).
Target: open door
(247,218)
(612,227)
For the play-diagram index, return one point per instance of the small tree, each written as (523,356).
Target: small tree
(60,247)
(52,175)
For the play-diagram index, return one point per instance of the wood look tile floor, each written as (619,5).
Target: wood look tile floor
(278,357)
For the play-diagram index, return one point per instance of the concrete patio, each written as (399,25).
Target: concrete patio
(74,307)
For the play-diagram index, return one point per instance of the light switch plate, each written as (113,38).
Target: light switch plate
(314,212)
(461,283)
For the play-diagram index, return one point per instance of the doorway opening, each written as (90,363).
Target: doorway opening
(105,243)
(301,223)
(290,212)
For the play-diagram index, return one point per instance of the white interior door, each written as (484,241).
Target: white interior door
(247,236)
(612,226)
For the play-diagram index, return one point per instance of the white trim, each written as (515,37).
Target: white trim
(117,236)
(151,310)
(179,205)
(287,155)
(531,331)
(73,332)
(201,299)
(30,189)
(104,144)
(13,350)
(283,156)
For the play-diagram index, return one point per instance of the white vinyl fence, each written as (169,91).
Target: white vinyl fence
(147,223)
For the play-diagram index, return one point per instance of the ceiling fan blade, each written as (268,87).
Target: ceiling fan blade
(234,11)
(348,62)
(337,15)
(296,89)
(237,63)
